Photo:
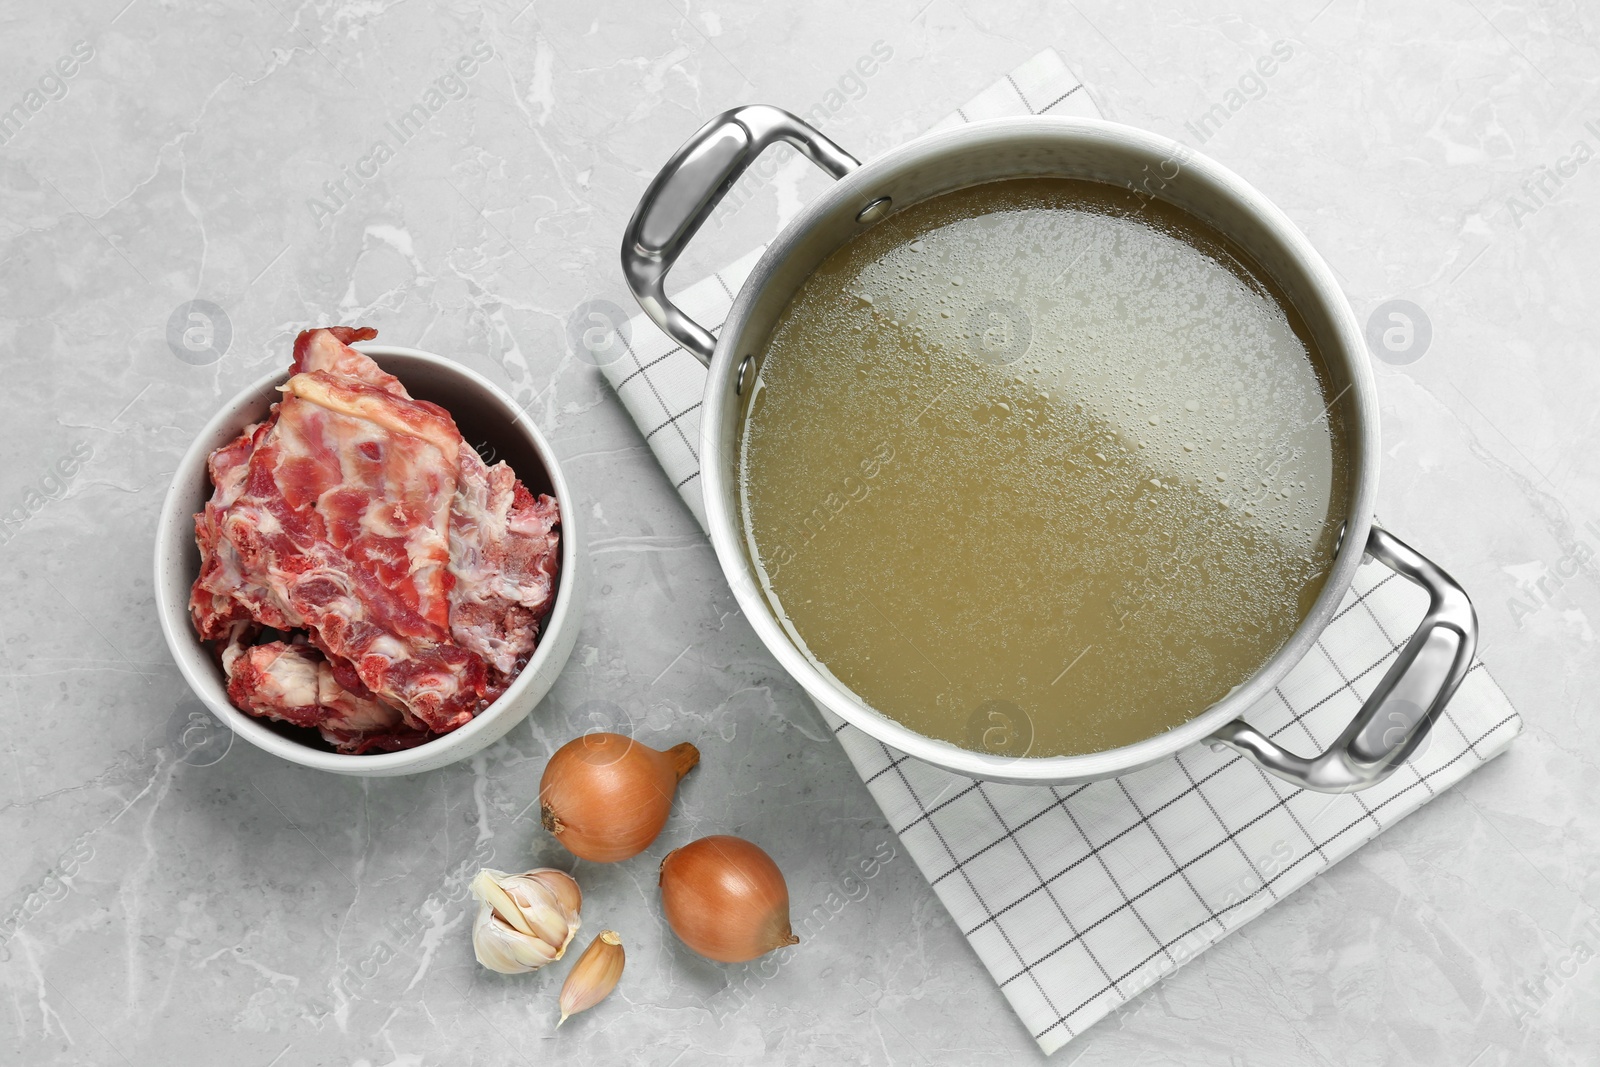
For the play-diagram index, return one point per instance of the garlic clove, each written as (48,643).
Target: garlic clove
(502,949)
(563,885)
(544,916)
(524,921)
(486,887)
(594,976)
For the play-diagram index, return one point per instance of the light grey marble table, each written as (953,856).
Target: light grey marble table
(167,898)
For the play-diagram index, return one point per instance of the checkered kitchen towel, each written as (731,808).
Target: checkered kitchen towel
(1076,899)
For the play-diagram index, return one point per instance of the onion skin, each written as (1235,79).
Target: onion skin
(605,797)
(726,899)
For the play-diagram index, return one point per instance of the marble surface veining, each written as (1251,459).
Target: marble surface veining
(166,897)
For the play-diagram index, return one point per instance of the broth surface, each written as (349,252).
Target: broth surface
(1041,467)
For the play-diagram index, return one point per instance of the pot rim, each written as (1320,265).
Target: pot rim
(856,190)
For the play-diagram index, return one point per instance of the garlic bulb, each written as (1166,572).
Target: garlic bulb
(524,920)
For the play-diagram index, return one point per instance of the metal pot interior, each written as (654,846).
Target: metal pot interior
(971,155)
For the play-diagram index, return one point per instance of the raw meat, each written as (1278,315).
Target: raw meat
(296,684)
(358,516)
(503,553)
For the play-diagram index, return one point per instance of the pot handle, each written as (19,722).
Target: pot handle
(1421,680)
(683,195)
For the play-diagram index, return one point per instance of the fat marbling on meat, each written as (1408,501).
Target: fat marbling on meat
(359,517)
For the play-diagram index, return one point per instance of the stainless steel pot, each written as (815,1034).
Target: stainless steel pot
(1429,667)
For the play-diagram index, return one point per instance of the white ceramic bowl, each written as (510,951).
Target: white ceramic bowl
(488,419)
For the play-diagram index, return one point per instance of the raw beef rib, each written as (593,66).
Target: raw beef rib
(359,516)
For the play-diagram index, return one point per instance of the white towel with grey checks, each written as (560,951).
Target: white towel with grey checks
(1076,899)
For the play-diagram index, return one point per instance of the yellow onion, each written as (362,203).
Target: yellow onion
(726,899)
(606,796)
(524,920)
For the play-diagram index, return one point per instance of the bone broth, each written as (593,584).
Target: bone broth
(1041,467)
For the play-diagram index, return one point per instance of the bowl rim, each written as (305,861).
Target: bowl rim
(185,645)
